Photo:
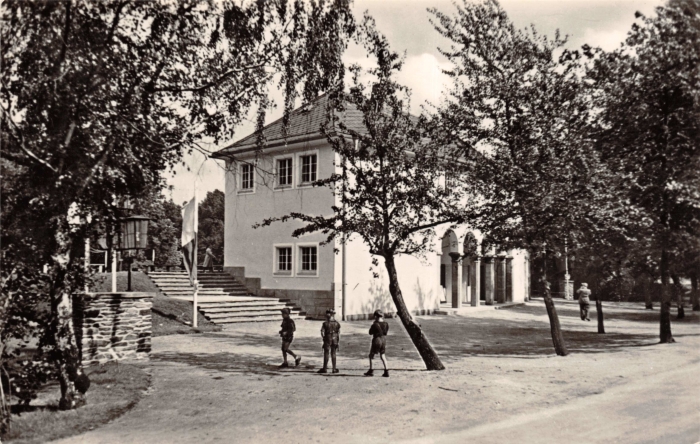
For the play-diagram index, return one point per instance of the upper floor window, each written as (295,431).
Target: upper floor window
(284,172)
(247,177)
(308,168)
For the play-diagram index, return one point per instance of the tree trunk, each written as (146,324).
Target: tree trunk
(420,341)
(599,313)
(648,300)
(695,295)
(665,335)
(678,291)
(5,417)
(64,348)
(557,337)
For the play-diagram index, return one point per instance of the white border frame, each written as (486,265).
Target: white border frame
(297,253)
(275,160)
(275,271)
(298,157)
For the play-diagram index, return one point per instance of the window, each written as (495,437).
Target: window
(247,175)
(284,260)
(309,260)
(308,169)
(284,173)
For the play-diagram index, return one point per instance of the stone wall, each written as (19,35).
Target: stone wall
(312,302)
(113,326)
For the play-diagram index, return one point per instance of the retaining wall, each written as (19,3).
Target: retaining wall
(113,326)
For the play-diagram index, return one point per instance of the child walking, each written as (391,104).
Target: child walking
(378,330)
(330,332)
(287,334)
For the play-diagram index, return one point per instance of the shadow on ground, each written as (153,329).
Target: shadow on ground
(454,337)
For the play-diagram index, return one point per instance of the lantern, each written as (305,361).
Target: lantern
(134,233)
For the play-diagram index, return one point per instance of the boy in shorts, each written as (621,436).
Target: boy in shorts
(378,330)
(330,332)
(287,334)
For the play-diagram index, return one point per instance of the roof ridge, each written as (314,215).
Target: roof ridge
(295,111)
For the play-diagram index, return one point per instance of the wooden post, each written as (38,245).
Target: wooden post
(194,304)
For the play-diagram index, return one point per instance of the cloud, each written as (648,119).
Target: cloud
(423,74)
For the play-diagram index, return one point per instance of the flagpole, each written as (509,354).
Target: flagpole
(194,262)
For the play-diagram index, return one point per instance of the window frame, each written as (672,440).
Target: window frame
(300,163)
(300,272)
(275,260)
(291,174)
(242,190)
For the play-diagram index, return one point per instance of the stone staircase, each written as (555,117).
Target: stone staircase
(222,299)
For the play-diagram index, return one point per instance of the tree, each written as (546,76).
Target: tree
(211,224)
(99,98)
(391,189)
(527,113)
(649,131)
(164,228)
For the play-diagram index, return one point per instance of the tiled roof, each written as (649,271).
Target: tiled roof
(304,124)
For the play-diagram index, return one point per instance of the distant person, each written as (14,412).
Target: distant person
(287,334)
(584,301)
(378,330)
(330,332)
(209,260)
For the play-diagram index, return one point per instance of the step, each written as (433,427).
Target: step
(228,304)
(238,320)
(199,294)
(190,289)
(253,309)
(237,314)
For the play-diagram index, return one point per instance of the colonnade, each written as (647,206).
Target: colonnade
(478,280)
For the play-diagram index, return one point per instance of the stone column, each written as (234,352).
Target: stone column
(528,283)
(509,278)
(456,281)
(476,283)
(489,280)
(501,278)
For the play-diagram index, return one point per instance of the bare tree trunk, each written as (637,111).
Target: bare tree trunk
(5,416)
(420,341)
(599,313)
(695,295)
(555,327)
(678,291)
(665,335)
(64,347)
(648,293)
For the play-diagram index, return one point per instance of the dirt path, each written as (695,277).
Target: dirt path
(502,384)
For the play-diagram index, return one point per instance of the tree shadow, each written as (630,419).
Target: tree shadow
(454,337)
(523,338)
(226,362)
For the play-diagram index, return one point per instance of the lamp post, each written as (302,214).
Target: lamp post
(133,235)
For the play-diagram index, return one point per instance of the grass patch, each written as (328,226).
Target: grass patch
(170,316)
(115,388)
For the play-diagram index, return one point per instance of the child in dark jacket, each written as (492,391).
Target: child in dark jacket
(330,332)
(287,334)
(378,330)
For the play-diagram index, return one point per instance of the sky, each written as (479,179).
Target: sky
(602,23)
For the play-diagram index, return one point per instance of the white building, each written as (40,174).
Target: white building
(270,262)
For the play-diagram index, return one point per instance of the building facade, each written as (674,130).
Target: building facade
(278,179)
